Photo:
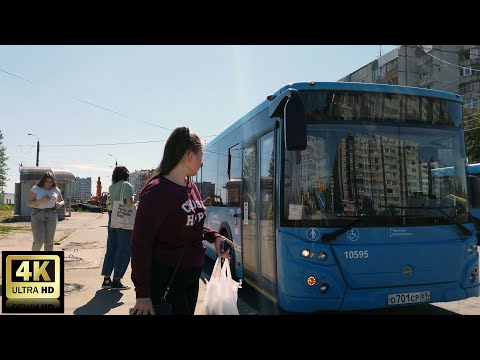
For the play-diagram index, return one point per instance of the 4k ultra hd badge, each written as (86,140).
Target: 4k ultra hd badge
(32,282)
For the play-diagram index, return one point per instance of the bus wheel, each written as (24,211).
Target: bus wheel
(232,266)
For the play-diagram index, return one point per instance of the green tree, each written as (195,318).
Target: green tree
(3,163)
(472,134)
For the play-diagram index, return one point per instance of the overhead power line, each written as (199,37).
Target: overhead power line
(446,62)
(100,144)
(106,144)
(100,107)
(19,77)
(93,104)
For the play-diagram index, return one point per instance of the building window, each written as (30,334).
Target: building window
(426,58)
(471,103)
(392,65)
(470,88)
(474,53)
(466,71)
(394,81)
(380,71)
(425,74)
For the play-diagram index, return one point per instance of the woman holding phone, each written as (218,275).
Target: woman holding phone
(44,199)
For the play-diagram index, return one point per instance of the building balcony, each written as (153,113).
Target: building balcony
(472,78)
(426,81)
(470,93)
(426,64)
(469,62)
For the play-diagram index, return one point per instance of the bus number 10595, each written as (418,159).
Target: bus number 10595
(356,254)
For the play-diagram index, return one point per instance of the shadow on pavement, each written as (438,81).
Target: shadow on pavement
(103,301)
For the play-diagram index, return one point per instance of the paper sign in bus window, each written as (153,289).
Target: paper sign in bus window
(245,213)
(295,212)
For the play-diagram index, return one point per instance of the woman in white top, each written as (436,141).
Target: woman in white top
(44,199)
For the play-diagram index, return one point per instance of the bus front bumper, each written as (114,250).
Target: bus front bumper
(366,299)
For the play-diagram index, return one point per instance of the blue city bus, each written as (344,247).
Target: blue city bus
(473,171)
(327,191)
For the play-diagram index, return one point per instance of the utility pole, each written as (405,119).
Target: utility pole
(38,146)
(116,160)
(38,150)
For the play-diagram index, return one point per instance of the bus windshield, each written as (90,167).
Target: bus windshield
(375,155)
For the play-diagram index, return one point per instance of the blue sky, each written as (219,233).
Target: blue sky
(204,87)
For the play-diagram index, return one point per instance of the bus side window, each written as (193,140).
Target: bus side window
(474,191)
(227,191)
(233,184)
(208,173)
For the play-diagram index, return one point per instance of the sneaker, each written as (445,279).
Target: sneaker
(117,285)
(106,283)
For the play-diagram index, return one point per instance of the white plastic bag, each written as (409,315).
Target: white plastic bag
(222,291)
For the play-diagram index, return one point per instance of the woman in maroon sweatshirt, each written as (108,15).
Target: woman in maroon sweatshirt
(169,227)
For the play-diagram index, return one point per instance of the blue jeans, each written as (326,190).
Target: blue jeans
(117,256)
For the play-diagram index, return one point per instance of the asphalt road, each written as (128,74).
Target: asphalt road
(251,302)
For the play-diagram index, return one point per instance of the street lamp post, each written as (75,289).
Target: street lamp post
(116,160)
(38,146)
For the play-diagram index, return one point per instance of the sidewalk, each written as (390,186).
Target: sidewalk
(84,251)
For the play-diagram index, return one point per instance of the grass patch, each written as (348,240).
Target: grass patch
(6,229)
(7,207)
(6,213)
(6,218)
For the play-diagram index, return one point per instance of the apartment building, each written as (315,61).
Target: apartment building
(138,178)
(81,189)
(452,68)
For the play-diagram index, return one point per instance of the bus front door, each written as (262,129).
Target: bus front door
(258,232)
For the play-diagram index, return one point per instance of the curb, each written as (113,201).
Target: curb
(80,228)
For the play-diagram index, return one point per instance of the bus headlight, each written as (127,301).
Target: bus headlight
(475,269)
(306,253)
(311,280)
(472,278)
(322,256)
(323,288)
(472,248)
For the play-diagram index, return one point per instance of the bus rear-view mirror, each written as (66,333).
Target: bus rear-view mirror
(295,124)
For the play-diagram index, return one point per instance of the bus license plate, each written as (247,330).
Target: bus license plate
(409,298)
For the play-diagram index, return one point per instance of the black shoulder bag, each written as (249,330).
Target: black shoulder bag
(164,307)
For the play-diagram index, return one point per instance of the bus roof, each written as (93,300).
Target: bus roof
(372,87)
(347,86)
(473,168)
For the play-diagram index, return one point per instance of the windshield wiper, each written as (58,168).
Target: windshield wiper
(462,227)
(333,235)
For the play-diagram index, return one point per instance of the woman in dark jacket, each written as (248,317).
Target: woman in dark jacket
(169,230)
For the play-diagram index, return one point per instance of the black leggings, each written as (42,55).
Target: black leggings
(183,292)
